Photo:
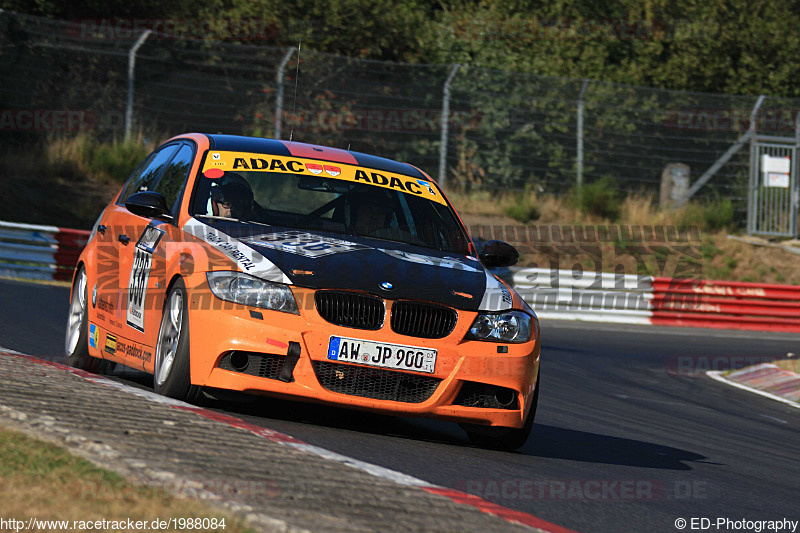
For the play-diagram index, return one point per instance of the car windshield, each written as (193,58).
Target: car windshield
(318,201)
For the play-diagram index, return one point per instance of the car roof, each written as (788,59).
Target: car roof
(236,143)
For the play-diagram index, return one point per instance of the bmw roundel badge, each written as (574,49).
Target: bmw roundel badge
(387,286)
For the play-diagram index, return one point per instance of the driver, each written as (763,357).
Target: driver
(232,199)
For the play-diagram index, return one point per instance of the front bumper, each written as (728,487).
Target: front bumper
(219,329)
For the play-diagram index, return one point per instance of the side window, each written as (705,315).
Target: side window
(126,191)
(171,182)
(145,178)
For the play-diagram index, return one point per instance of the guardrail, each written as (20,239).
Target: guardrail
(632,299)
(39,252)
(50,252)
(591,296)
(726,304)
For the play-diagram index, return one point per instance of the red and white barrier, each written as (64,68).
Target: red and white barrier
(39,252)
(632,299)
(50,252)
(726,304)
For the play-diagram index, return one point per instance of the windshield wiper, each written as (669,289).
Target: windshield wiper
(215,217)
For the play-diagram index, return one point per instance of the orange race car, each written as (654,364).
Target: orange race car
(310,273)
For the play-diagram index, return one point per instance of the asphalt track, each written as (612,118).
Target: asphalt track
(625,439)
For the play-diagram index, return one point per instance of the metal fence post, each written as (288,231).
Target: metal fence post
(279,96)
(579,135)
(131,72)
(445,125)
(719,163)
(796,175)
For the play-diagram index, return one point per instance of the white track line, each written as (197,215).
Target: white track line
(717,375)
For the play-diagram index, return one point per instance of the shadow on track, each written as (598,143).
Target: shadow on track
(572,445)
(546,441)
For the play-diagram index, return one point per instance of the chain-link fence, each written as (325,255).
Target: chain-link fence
(503,130)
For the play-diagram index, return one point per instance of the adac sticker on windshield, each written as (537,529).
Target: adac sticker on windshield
(242,161)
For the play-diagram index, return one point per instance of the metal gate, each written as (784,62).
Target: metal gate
(773,200)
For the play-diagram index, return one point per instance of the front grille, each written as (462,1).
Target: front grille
(350,309)
(258,364)
(420,319)
(482,395)
(376,383)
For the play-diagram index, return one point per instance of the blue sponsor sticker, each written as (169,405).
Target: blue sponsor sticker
(428,185)
(93,335)
(333,348)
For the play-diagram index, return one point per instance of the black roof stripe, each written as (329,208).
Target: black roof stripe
(271,146)
(381,163)
(236,143)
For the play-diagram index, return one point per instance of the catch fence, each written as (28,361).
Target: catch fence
(472,128)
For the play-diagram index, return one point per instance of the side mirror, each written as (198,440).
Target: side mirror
(496,254)
(148,204)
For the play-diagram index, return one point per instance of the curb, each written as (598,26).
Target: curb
(306,477)
(765,379)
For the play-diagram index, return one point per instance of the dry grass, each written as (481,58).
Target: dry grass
(792,365)
(109,162)
(80,176)
(41,480)
(714,256)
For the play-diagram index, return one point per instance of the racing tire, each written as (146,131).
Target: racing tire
(171,375)
(76,343)
(504,439)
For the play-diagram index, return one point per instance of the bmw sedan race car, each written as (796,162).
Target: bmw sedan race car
(305,272)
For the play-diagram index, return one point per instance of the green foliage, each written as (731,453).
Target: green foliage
(708,250)
(114,161)
(523,209)
(726,46)
(690,215)
(718,215)
(599,198)
(106,162)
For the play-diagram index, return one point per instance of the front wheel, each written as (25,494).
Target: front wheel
(506,439)
(171,375)
(76,344)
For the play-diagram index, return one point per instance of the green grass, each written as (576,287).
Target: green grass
(42,480)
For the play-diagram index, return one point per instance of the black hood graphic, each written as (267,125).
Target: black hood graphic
(385,268)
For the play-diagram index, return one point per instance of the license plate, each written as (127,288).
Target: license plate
(397,356)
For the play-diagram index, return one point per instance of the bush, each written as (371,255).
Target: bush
(114,161)
(523,209)
(690,215)
(599,198)
(108,162)
(718,215)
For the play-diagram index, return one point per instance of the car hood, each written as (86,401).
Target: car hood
(333,261)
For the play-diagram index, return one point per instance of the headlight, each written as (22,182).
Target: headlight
(247,290)
(509,326)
